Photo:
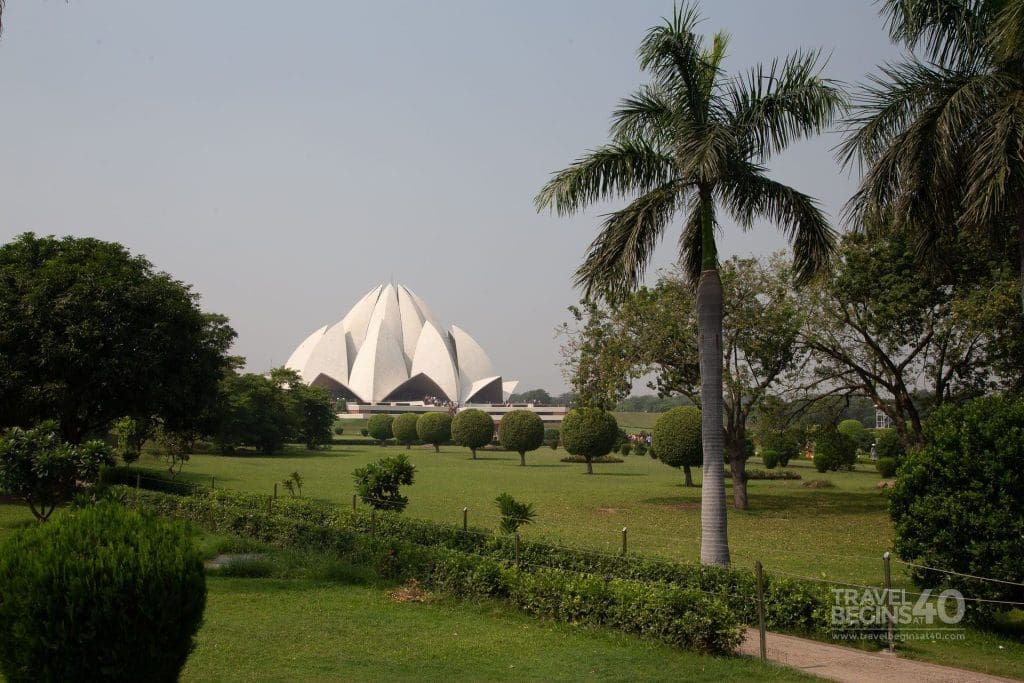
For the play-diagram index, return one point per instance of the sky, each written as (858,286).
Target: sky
(284,159)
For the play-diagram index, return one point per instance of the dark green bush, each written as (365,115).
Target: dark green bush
(834,451)
(99,593)
(856,431)
(770,458)
(589,433)
(626,448)
(886,467)
(404,429)
(472,428)
(435,429)
(379,427)
(677,439)
(787,444)
(958,503)
(888,445)
(521,431)
(552,438)
(339,430)
(378,482)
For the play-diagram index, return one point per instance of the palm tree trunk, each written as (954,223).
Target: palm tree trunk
(714,540)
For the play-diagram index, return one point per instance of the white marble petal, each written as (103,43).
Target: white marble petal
(508,388)
(330,355)
(297,361)
(434,359)
(380,364)
(473,361)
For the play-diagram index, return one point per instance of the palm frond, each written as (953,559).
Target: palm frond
(772,107)
(620,169)
(617,259)
(996,169)
(691,243)
(1006,37)
(749,194)
(649,114)
(946,30)
(703,153)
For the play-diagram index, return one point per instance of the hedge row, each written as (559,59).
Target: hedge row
(676,615)
(790,604)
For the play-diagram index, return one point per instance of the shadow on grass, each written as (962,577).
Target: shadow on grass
(620,474)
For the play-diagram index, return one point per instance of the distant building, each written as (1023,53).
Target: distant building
(882,421)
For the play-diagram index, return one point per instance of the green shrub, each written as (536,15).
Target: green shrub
(770,458)
(404,429)
(856,431)
(626,448)
(380,427)
(435,429)
(38,467)
(521,431)
(589,433)
(100,593)
(888,445)
(958,503)
(641,449)
(339,430)
(378,482)
(364,431)
(472,428)
(787,444)
(677,439)
(834,451)
(552,437)
(513,513)
(886,467)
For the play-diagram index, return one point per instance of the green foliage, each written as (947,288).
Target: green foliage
(435,429)
(532,396)
(888,445)
(131,434)
(886,467)
(785,444)
(552,437)
(100,593)
(521,431)
(339,430)
(677,437)
(472,428)
(513,513)
(38,467)
(254,411)
(404,428)
(958,503)
(293,483)
(770,458)
(380,427)
(834,451)
(855,430)
(315,413)
(641,449)
(626,448)
(590,433)
(378,483)
(364,431)
(90,334)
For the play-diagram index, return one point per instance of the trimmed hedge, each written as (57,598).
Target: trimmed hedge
(472,428)
(790,604)
(434,428)
(404,429)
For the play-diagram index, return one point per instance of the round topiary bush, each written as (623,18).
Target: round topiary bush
(379,427)
(677,439)
(521,431)
(958,502)
(834,451)
(626,448)
(856,431)
(101,593)
(472,428)
(339,430)
(886,467)
(435,429)
(404,428)
(589,433)
(770,458)
(888,445)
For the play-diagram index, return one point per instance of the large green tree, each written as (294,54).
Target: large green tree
(940,134)
(90,333)
(693,142)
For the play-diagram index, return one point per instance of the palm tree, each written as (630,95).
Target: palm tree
(691,142)
(941,133)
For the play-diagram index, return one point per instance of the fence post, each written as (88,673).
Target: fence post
(213,483)
(138,481)
(465,519)
(888,601)
(517,548)
(623,540)
(275,489)
(373,521)
(758,570)
(354,502)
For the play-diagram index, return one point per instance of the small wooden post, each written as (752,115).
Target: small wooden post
(760,609)
(623,540)
(138,481)
(517,548)
(353,502)
(270,505)
(213,483)
(888,601)
(465,519)
(275,489)
(373,521)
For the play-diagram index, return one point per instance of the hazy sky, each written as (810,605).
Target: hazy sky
(284,158)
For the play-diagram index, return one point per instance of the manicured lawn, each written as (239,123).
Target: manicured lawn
(300,630)
(13,516)
(635,422)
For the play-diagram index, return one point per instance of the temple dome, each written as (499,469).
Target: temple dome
(391,348)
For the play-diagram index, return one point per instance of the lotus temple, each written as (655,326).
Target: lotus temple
(391,354)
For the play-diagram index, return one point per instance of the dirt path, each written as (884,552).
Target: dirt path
(854,666)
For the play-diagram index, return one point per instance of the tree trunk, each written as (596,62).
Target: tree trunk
(738,467)
(590,468)
(1020,247)
(714,540)
(473,451)
(522,458)
(687,476)
(437,448)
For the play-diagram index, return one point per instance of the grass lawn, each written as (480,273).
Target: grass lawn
(302,630)
(13,516)
(636,422)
